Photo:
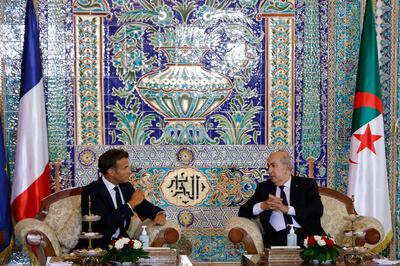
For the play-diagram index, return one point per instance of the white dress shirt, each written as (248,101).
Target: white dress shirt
(276,219)
(110,187)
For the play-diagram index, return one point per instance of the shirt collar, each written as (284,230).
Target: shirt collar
(110,186)
(287,184)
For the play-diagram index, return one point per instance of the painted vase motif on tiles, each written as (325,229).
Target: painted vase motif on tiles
(185,61)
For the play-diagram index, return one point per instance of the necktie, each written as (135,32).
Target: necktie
(118,197)
(287,217)
(119,204)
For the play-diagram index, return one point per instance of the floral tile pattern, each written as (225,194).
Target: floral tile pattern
(227,80)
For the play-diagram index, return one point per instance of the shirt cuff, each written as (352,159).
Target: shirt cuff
(130,207)
(291,211)
(257,209)
(160,212)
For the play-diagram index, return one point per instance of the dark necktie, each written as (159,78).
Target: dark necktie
(119,204)
(287,217)
(118,197)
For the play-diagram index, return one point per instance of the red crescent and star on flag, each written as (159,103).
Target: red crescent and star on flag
(367,140)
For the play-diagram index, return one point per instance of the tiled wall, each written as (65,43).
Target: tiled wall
(209,86)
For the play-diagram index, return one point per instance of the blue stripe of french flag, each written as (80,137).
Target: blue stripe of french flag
(32,178)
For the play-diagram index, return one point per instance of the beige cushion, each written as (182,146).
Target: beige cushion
(332,220)
(64,218)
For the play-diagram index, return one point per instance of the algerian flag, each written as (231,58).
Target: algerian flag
(367,174)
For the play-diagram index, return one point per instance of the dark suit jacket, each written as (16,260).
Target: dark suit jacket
(111,218)
(304,197)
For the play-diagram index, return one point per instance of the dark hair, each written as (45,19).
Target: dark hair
(109,159)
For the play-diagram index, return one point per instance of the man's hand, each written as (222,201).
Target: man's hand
(136,198)
(269,203)
(160,218)
(274,203)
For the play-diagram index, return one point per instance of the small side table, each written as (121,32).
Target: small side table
(254,260)
(262,260)
(183,260)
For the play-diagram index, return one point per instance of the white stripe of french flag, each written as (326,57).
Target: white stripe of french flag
(32,177)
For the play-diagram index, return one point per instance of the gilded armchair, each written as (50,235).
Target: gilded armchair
(55,230)
(336,206)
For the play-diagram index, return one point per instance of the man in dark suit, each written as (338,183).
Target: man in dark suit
(285,199)
(114,199)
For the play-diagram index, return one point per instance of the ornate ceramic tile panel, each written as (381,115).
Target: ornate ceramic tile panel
(311,88)
(91,6)
(168,155)
(12,25)
(210,247)
(387,35)
(130,56)
(58,61)
(183,73)
(280,81)
(346,45)
(277,7)
(279,54)
(88,80)
(396,175)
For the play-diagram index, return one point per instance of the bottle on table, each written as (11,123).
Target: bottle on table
(144,237)
(291,237)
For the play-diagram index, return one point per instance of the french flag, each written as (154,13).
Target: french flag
(32,179)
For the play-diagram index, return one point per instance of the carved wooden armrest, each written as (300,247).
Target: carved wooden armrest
(243,230)
(237,235)
(159,235)
(166,236)
(373,229)
(372,236)
(38,238)
(33,232)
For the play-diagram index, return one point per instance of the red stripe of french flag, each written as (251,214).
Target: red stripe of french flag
(32,177)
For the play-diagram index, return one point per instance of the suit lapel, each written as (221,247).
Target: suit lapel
(125,194)
(102,189)
(294,191)
(272,189)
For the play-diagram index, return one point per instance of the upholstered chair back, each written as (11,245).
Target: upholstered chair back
(64,217)
(336,207)
(55,230)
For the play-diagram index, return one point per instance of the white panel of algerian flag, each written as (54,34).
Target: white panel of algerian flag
(367,175)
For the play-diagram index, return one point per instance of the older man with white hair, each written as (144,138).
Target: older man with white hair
(285,200)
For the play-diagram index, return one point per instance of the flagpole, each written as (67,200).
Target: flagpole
(392,186)
(395,136)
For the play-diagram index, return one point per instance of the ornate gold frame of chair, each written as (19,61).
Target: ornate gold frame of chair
(56,229)
(336,206)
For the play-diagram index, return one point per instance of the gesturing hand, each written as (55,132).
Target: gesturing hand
(270,203)
(274,203)
(160,218)
(136,198)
